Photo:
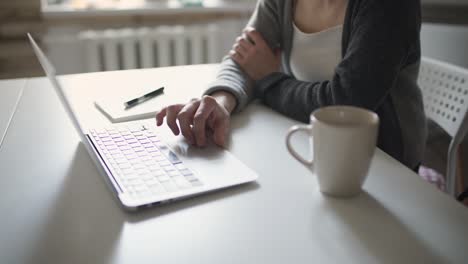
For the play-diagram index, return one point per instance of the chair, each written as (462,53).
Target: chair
(445,96)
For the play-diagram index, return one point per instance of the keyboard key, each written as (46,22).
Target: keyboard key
(180,166)
(114,151)
(182,183)
(139,166)
(151,148)
(154,167)
(125,165)
(141,188)
(138,149)
(173,173)
(109,148)
(169,186)
(151,182)
(121,160)
(130,176)
(123,148)
(121,144)
(137,182)
(134,144)
(173,158)
(155,154)
(132,157)
(157,173)
(196,183)
(186,172)
(144,171)
(164,163)
(134,162)
(147,177)
(154,139)
(146,158)
(162,146)
(159,158)
(169,168)
(127,171)
(191,178)
(163,178)
(149,163)
(118,155)
(128,152)
(157,189)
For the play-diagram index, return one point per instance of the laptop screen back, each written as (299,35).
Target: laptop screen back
(50,72)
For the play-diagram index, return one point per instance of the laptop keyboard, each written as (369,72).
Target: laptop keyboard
(142,163)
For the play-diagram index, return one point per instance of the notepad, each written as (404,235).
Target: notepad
(113,108)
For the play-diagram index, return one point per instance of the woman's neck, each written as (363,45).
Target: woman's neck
(316,15)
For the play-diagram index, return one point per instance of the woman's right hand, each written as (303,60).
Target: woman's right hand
(200,118)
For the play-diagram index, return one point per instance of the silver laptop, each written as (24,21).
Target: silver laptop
(145,165)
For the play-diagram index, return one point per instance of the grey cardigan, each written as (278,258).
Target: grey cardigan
(378,71)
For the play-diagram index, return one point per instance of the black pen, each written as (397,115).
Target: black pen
(143,98)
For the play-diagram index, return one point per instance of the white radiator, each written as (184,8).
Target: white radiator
(120,49)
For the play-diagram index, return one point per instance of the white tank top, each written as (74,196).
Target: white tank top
(314,56)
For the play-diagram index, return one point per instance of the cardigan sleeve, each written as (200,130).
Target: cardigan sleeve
(230,77)
(375,52)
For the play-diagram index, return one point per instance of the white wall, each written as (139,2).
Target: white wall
(445,42)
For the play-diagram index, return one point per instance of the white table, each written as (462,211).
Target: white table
(10,94)
(56,208)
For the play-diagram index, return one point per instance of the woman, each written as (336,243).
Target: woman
(297,56)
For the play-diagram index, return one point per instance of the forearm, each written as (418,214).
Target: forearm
(293,98)
(231,78)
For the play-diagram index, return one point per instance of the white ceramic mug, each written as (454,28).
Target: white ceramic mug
(344,140)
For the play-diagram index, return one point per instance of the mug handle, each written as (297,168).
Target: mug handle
(293,130)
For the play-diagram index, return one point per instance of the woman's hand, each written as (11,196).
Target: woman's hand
(210,113)
(254,55)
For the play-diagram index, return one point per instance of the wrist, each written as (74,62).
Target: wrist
(226,99)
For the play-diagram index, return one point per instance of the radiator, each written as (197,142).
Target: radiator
(112,49)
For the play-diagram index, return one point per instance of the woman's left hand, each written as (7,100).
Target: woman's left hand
(254,55)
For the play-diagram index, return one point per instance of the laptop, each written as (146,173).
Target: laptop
(145,165)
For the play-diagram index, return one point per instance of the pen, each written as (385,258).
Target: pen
(143,98)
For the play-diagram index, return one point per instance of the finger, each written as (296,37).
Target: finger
(171,117)
(242,51)
(185,118)
(255,36)
(220,132)
(160,116)
(247,38)
(244,42)
(236,57)
(207,106)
